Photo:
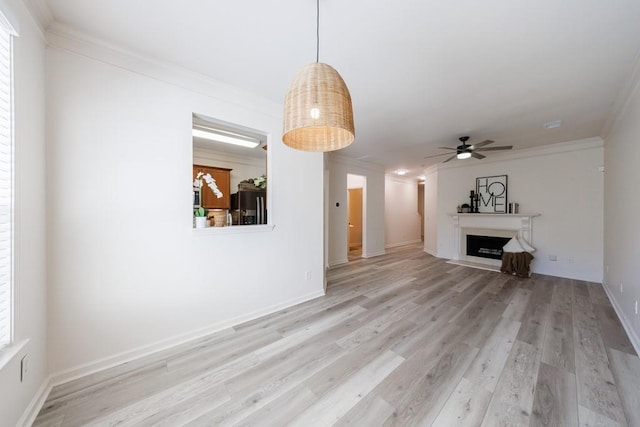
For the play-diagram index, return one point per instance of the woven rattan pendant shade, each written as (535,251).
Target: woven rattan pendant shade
(318,115)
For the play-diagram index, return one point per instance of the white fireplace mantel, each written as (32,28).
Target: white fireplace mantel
(520,224)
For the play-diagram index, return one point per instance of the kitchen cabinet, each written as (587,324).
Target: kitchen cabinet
(223,181)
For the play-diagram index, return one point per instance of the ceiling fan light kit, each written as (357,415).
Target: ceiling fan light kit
(318,113)
(466,151)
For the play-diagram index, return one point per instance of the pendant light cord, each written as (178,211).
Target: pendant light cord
(317,30)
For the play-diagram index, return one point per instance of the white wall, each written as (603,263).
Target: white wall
(127,278)
(431,211)
(622,204)
(561,182)
(402,221)
(355,181)
(30,221)
(373,201)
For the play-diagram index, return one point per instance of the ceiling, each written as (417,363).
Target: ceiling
(421,72)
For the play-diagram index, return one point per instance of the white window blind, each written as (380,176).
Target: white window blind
(6,182)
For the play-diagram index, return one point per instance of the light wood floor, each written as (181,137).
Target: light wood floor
(401,339)
(354,253)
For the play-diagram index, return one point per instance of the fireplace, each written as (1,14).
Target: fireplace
(485,246)
(504,226)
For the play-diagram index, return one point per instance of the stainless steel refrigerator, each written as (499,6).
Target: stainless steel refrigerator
(249,207)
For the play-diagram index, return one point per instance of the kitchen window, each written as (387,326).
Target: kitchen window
(230,175)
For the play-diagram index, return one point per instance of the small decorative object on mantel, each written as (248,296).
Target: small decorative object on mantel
(465,208)
(474,198)
(513,208)
(491,192)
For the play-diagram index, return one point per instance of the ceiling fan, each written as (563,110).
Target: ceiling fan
(465,150)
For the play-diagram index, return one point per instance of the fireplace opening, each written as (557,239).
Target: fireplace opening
(486,246)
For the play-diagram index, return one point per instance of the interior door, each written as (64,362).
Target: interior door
(355,218)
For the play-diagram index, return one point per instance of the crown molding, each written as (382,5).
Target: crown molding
(544,150)
(65,38)
(393,177)
(433,169)
(629,89)
(348,161)
(41,13)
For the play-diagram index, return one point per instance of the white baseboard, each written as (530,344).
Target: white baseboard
(635,340)
(144,351)
(375,254)
(337,262)
(408,242)
(30,414)
(430,252)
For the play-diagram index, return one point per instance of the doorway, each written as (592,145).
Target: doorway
(421,208)
(355,215)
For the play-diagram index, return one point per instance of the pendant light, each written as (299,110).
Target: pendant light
(318,115)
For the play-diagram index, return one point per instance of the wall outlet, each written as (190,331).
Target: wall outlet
(553,257)
(606,267)
(636,306)
(570,260)
(307,275)
(24,368)
(621,289)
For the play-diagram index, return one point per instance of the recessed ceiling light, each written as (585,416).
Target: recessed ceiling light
(422,177)
(553,125)
(401,172)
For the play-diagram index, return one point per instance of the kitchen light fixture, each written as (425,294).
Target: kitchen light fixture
(401,172)
(225,137)
(463,155)
(318,114)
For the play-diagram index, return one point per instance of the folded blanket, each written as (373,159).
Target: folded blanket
(516,263)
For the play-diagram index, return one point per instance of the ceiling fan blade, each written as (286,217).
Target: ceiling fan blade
(450,158)
(447,148)
(436,155)
(503,147)
(482,144)
(477,155)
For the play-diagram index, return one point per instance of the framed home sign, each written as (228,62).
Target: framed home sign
(492,194)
